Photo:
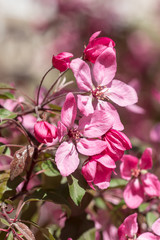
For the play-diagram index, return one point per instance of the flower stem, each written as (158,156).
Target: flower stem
(40,85)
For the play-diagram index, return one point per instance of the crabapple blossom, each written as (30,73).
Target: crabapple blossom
(83,138)
(129,228)
(96,46)
(140,182)
(101,87)
(98,169)
(62,61)
(45,132)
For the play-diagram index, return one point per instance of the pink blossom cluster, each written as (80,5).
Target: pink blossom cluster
(90,125)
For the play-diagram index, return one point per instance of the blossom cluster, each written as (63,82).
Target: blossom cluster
(95,131)
(82,133)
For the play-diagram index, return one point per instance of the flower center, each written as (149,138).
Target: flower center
(135,172)
(74,133)
(99,93)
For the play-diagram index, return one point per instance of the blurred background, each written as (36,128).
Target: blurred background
(31,31)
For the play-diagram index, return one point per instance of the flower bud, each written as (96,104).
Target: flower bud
(45,132)
(62,61)
(96,46)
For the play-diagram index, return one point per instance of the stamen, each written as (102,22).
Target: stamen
(99,93)
(135,172)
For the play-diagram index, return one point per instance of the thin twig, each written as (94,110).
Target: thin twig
(40,85)
(47,94)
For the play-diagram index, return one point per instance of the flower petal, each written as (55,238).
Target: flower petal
(129,162)
(156,227)
(108,107)
(151,184)
(133,193)
(91,147)
(102,177)
(69,111)
(85,104)
(66,158)
(146,159)
(129,227)
(147,236)
(89,171)
(61,130)
(105,67)
(105,160)
(82,74)
(96,124)
(121,93)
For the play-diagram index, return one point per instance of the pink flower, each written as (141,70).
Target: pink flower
(102,87)
(45,132)
(62,61)
(129,228)
(139,182)
(96,46)
(98,170)
(84,138)
(117,143)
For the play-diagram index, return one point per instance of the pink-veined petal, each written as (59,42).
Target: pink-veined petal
(66,158)
(129,162)
(85,104)
(133,194)
(108,107)
(102,177)
(146,159)
(90,147)
(82,74)
(106,161)
(89,171)
(96,124)
(105,67)
(69,111)
(151,184)
(121,93)
(148,236)
(136,109)
(61,130)
(94,35)
(156,227)
(129,227)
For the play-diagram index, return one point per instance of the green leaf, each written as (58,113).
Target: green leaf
(143,207)
(151,217)
(5,86)
(4,222)
(49,168)
(117,182)
(88,235)
(47,195)
(4,113)
(3,183)
(10,236)
(75,190)
(6,95)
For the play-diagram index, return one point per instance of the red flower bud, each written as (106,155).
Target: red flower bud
(62,61)
(45,132)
